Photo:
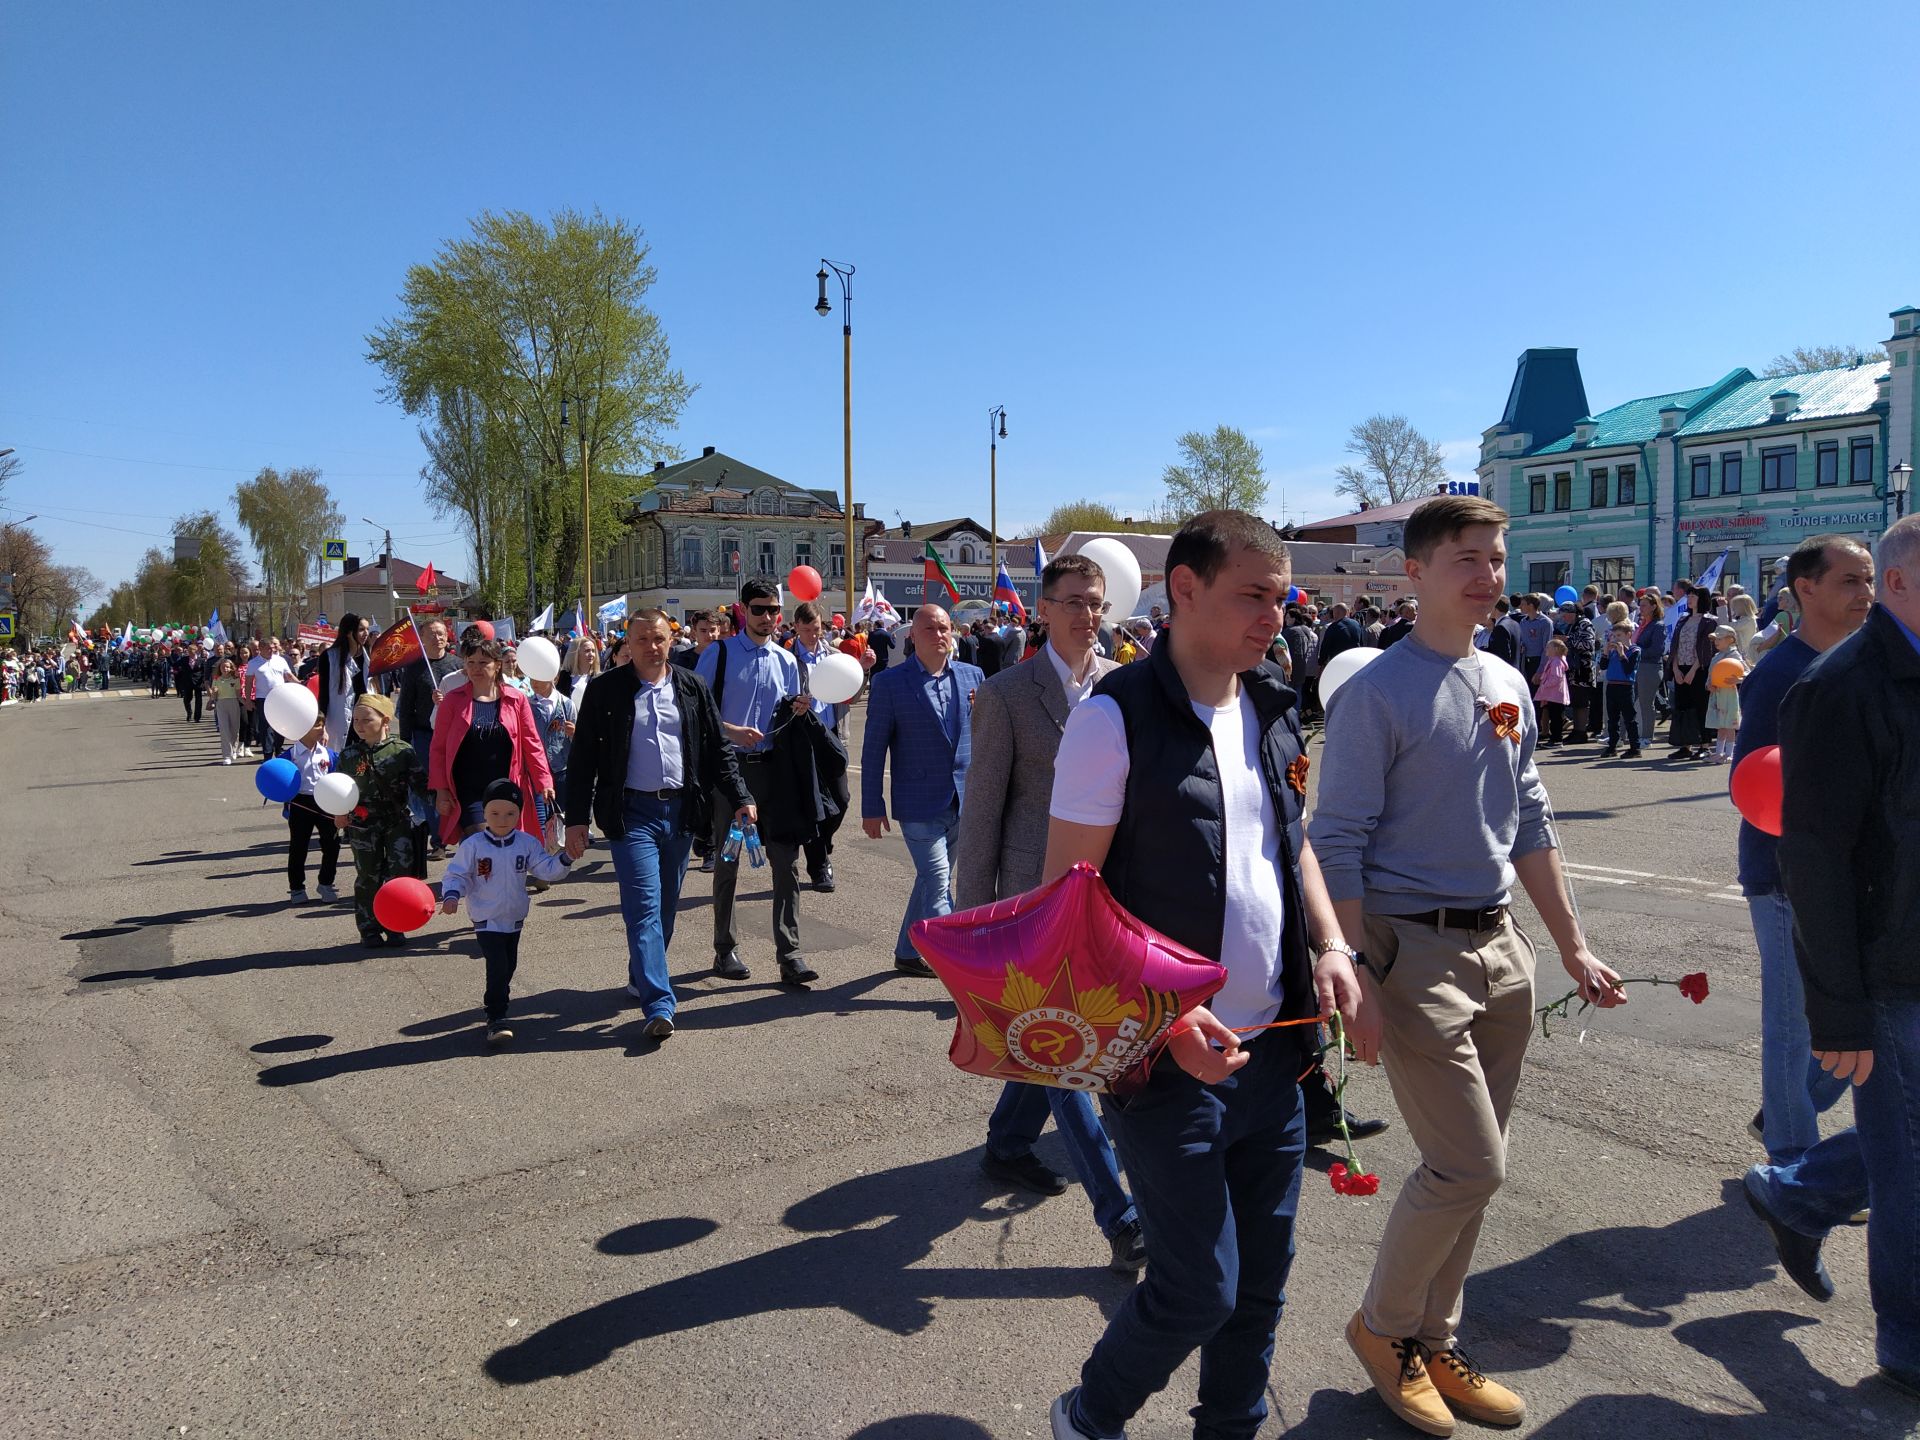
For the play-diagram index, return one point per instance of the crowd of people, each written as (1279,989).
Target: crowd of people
(1601,670)
(1171,751)
(42,674)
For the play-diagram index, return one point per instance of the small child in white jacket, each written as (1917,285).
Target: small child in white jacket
(490,871)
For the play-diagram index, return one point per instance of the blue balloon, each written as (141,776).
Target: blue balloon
(278,779)
(1566,595)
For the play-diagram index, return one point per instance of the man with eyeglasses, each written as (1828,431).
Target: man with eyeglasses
(921,714)
(757,686)
(1002,846)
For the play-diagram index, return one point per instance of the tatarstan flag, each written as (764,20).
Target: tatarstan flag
(936,570)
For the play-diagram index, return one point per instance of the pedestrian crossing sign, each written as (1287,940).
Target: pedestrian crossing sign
(6,624)
(335,550)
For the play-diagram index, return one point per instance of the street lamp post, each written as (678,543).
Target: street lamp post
(586,515)
(823,308)
(996,432)
(1899,478)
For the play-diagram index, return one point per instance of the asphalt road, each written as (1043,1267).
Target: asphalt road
(262,1186)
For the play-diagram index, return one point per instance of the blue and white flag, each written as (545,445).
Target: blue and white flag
(1711,577)
(1039,557)
(215,628)
(542,621)
(613,610)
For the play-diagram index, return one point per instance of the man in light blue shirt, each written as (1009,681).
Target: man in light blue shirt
(758,688)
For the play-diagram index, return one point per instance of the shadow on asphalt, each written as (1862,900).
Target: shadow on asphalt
(922,1427)
(189,857)
(847,1262)
(564,1021)
(344,953)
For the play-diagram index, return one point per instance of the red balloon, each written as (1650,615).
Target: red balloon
(1061,986)
(804,582)
(404,904)
(1757,788)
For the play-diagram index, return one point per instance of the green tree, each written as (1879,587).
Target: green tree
(26,557)
(1397,462)
(1821,357)
(153,588)
(287,516)
(200,584)
(1221,471)
(503,330)
(1092,515)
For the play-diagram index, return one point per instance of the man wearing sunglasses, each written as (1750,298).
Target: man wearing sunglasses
(757,690)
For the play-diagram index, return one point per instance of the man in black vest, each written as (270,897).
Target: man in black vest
(1183,778)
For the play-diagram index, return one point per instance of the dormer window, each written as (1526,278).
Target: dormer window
(1585,429)
(1670,418)
(1785,402)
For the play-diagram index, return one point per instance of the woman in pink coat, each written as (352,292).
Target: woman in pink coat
(483,731)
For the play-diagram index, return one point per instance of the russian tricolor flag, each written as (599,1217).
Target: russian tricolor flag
(1005,594)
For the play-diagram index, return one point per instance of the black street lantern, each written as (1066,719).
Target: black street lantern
(824,307)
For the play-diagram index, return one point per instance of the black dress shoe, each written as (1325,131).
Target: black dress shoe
(913,965)
(1324,1128)
(730,967)
(1027,1171)
(823,882)
(1129,1250)
(1799,1254)
(795,971)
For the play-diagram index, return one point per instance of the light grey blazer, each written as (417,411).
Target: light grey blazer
(1017,719)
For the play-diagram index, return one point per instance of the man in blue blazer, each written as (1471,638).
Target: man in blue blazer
(921,711)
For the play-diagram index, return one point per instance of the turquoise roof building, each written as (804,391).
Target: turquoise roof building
(1657,488)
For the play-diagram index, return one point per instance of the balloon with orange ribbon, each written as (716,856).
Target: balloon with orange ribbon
(1061,986)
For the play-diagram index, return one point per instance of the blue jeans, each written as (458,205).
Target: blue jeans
(650,861)
(1216,1175)
(1020,1116)
(1794,1090)
(1878,1163)
(930,842)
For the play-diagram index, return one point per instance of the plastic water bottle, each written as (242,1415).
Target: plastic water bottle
(756,853)
(730,852)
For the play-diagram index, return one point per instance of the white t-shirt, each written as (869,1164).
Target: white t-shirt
(1090,788)
(268,671)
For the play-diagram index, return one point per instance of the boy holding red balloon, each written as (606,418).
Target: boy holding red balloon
(388,772)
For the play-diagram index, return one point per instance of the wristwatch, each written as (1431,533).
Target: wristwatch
(1321,947)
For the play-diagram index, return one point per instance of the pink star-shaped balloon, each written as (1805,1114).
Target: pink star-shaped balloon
(1061,986)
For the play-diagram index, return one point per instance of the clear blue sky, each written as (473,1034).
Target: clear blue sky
(1120,220)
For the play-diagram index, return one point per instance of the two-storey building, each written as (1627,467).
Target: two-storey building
(1659,487)
(709,523)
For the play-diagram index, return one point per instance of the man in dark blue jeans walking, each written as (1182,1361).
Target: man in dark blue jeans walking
(1183,778)
(1850,745)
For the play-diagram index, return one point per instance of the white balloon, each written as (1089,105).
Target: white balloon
(539,659)
(835,678)
(1342,668)
(291,710)
(1123,575)
(336,793)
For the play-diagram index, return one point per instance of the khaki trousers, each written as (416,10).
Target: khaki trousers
(1457,1007)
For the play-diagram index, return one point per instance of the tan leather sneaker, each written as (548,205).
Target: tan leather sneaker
(1472,1394)
(1398,1370)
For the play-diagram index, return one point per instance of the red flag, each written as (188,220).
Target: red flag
(397,645)
(425,582)
(937,572)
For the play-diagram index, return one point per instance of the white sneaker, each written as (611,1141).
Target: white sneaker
(327,892)
(227,761)
(1063,1426)
(296,897)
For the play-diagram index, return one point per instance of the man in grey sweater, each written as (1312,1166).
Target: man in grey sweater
(1429,808)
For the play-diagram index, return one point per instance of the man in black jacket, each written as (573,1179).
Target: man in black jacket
(1344,633)
(1849,858)
(647,752)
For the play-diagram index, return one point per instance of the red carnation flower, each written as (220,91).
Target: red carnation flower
(1694,986)
(1337,1175)
(1363,1185)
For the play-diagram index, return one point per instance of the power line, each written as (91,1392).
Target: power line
(190,435)
(189,465)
